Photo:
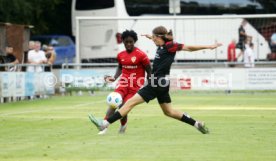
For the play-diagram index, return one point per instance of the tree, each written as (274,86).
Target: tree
(47,16)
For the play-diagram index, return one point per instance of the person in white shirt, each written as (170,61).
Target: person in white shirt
(249,56)
(36,56)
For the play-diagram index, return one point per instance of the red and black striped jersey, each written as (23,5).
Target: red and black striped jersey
(164,58)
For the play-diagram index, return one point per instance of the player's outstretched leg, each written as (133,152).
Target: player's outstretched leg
(170,112)
(103,132)
(201,127)
(123,126)
(99,123)
(127,107)
(110,111)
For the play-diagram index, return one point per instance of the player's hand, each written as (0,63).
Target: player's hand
(109,79)
(147,36)
(216,45)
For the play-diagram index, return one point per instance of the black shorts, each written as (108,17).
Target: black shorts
(155,90)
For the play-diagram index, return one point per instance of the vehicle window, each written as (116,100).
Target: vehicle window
(63,41)
(136,8)
(57,41)
(93,4)
(219,7)
(201,7)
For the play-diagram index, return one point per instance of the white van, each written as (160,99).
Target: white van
(100,41)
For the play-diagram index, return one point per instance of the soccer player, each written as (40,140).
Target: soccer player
(158,85)
(132,66)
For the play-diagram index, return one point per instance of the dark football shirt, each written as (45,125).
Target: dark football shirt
(241,37)
(164,58)
(10,58)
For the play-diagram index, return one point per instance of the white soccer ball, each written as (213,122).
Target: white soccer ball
(114,100)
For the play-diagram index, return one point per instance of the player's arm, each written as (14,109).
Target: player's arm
(200,47)
(146,63)
(147,36)
(118,72)
(148,70)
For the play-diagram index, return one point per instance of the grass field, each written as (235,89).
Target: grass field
(243,128)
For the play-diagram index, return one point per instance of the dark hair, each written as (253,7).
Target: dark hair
(162,32)
(130,33)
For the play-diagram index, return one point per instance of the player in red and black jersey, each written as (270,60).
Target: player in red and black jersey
(158,85)
(132,64)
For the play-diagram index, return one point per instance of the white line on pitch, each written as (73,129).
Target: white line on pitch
(50,109)
(90,103)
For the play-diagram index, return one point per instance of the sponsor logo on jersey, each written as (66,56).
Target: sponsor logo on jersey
(133,59)
(130,66)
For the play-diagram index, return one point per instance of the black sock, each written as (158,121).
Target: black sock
(187,119)
(116,116)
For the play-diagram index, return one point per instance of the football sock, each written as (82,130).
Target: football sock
(105,118)
(114,117)
(123,121)
(187,119)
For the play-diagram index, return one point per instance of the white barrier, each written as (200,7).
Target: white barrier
(21,84)
(87,78)
(224,79)
(187,79)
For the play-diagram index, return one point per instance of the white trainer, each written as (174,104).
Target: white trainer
(103,132)
(122,129)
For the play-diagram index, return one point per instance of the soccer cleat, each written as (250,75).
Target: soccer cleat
(103,132)
(122,129)
(202,128)
(97,122)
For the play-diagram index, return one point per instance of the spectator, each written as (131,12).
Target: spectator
(273,42)
(248,41)
(249,57)
(10,59)
(231,53)
(31,45)
(51,56)
(242,38)
(25,56)
(35,57)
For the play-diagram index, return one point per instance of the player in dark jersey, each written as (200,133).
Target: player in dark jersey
(158,85)
(132,64)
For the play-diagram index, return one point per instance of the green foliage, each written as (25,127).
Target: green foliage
(47,16)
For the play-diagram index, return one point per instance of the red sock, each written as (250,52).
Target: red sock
(105,118)
(123,121)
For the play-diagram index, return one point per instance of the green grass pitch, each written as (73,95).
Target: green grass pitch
(243,128)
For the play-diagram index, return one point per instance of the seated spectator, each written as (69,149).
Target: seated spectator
(10,59)
(36,56)
(273,42)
